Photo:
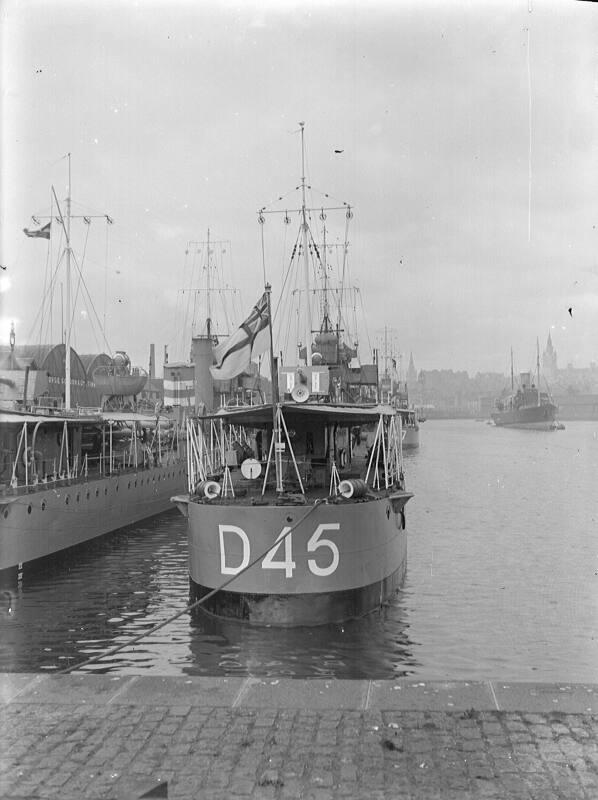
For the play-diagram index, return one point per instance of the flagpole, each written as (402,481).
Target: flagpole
(275,394)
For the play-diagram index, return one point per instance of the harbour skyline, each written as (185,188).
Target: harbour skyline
(464,138)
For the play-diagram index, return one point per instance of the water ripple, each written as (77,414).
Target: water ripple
(501,582)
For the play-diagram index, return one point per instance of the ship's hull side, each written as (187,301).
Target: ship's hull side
(51,518)
(343,560)
(532,417)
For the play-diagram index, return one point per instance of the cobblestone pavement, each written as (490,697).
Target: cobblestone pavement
(106,737)
(122,751)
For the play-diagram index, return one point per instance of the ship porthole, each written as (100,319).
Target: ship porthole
(129,485)
(29,509)
(135,484)
(106,491)
(43,505)
(87,495)
(78,497)
(117,487)
(67,499)
(97,492)
(5,513)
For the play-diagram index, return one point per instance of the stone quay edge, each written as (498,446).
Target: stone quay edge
(82,736)
(312,693)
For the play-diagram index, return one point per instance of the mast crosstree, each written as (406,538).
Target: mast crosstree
(65,222)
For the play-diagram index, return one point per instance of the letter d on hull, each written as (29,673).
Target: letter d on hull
(224,569)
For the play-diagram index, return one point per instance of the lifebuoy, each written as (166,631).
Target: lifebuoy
(342,458)
(209,489)
(352,487)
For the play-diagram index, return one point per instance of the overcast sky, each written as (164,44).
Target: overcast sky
(182,116)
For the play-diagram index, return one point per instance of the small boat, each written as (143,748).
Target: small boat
(119,379)
(526,406)
(296,509)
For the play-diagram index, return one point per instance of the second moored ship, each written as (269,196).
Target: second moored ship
(527,406)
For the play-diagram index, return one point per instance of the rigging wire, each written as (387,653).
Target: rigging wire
(529,119)
(184,310)
(261,221)
(283,294)
(367,333)
(190,293)
(47,275)
(105,279)
(41,313)
(91,306)
(76,297)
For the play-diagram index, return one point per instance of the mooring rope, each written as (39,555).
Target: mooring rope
(190,606)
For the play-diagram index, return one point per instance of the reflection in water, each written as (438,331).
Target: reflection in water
(86,601)
(376,646)
(501,582)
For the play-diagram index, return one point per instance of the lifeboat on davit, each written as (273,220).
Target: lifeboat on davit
(119,377)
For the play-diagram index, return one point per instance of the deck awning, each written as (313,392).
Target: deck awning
(323,413)
(131,416)
(20,417)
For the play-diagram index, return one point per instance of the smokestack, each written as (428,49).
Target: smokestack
(152,361)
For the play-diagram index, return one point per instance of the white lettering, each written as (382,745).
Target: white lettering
(288,564)
(316,542)
(224,569)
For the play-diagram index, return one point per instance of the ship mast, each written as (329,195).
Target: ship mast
(386,373)
(392,370)
(306,325)
(208,303)
(67,346)
(66,227)
(325,309)
(538,365)
(211,286)
(304,228)
(512,381)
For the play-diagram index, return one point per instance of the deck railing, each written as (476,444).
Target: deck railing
(27,467)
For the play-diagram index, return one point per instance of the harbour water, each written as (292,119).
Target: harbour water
(502,581)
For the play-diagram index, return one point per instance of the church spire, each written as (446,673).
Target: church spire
(549,359)
(411,371)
